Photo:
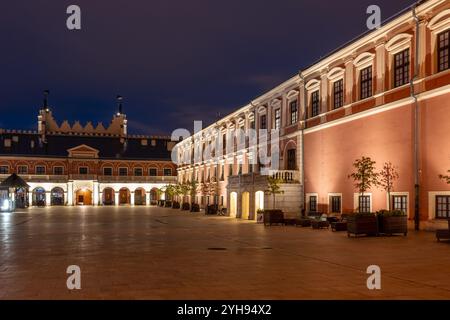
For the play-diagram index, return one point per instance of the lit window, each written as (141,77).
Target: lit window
(336,204)
(278,119)
(443,50)
(401,68)
(313,203)
(366,83)
(7,143)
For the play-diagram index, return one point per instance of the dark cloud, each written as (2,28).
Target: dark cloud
(174,61)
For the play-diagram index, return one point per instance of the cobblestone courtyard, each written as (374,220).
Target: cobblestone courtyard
(158,253)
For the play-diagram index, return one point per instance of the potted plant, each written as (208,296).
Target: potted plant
(193,187)
(185,189)
(273,215)
(195,207)
(391,222)
(364,179)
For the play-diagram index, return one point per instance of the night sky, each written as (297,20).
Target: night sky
(174,61)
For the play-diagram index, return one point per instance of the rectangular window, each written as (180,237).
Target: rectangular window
(443,50)
(315,103)
(294,112)
(4,169)
(364,204)
(400,203)
(22,169)
(278,119)
(58,171)
(291,159)
(312,203)
(222,174)
(366,83)
(123,171)
(40,170)
(250,168)
(167,172)
(107,171)
(401,68)
(263,124)
(83,170)
(442,207)
(240,169)
(152,172)
(230,170)
(336,204)
(138,172)
(338,93)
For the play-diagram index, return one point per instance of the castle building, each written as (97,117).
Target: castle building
(384,95)
(86,165)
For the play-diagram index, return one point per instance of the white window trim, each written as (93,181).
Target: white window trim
(432,202)
(23,166)
(118,171)
(356,200)
(112,170)
(40,166)
(54,167)
(329,201)
(151,168)
(7,166)
(399,194)
(142,171)
(87,169)
(164,169)
(308,195)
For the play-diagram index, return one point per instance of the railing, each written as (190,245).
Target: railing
(170,179)
(38,177)
(287,176)
(83,177)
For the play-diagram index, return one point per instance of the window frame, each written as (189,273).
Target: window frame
(403,202)
(263,124)
(445,49)
(338,94)
(138,175)
(119,173)
(362,205)
(447,207)
(4,171)
(108,175)
(366,82)
(150,170)
(164,172)
(333,197)
(54,170)
(311,203)
(41,173)
(293,112)
(83,167)
(401,67)
(277,119)
(315,103)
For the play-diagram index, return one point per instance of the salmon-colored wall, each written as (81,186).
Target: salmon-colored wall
(330,153)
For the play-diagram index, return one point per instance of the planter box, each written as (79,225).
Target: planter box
(273,217)
(175,205)
(260,218)
(168,204)
(393,224)
(186,206)
(357,225)
(195,207)
(211,209)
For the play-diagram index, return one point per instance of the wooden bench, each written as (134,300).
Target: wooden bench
(443,234)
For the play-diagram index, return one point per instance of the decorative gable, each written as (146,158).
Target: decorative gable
(83,151)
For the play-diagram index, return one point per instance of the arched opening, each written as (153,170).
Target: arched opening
(124,196)
(139,197)
(83,197)
(38,197)
(108,197)
(57,197)
(259,202)
(245,205)
(233,204)
(154,197)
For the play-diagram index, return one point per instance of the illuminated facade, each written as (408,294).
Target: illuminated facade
(385,95)
(86,165)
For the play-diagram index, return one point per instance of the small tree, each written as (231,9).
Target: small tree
(185,189)
(193,185)
(274,188)
(170,191)
(364,176)
(210,188)
(446,178)
(387,178)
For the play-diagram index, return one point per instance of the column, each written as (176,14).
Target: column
(116,198)
(348,83)
(324,91)
(422,48)
(70,193)
(380,68)
(132,198)
(30,198)
(147,198)
(95,194)
(48,198)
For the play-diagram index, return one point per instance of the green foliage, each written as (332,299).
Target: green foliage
(387,178)
(362,214)
(274,188)
(393,213)
(446,178)
(364,176)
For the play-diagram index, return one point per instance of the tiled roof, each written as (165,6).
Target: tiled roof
(29,144)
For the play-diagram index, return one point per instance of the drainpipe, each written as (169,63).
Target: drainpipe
(303,142)
(416,125)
